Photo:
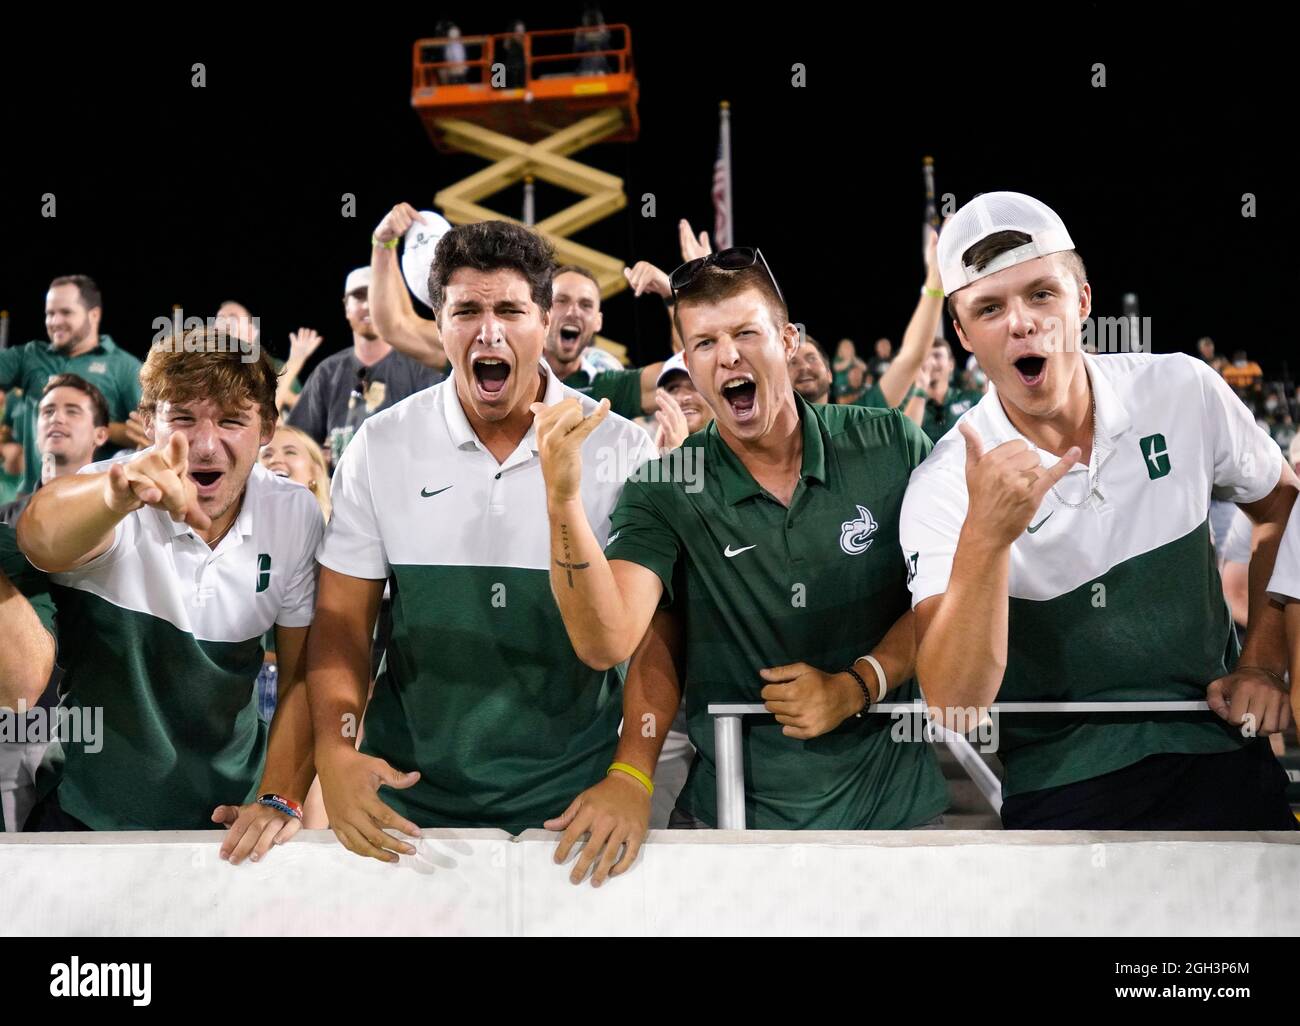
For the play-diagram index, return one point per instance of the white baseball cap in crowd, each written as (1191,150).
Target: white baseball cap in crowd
(417,252)
(357,279)
(993,212)
(672,365)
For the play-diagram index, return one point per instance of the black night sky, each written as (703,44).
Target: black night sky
(170,194)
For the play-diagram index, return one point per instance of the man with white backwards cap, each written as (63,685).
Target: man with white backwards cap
(1058,550)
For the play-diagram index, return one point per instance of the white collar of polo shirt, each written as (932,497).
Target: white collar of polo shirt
(463,436)
(1112,421)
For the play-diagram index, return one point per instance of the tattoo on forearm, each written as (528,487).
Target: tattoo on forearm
(566,564)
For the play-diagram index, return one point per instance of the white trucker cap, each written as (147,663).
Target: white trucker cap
(993,212)
(672,365)
(358,278)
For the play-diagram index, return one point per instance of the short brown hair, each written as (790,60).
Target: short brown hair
(491,246)
(98,404)
(821,350)
(714,284)
(988,249)
(203,365)
(575,269)
(86,289)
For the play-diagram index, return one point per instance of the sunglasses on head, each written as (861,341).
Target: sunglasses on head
(737,258)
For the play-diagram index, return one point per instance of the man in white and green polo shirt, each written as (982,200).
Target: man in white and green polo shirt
(167,568)
(777,567)
(1059,550)
(482,715)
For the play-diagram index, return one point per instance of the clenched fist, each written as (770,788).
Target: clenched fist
(396,222)
(561,430)
(1006,485)
(809,702)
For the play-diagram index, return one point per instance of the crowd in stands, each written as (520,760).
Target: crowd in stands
(362,587)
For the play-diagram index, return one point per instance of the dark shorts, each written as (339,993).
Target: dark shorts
(48,817)
(1241,790)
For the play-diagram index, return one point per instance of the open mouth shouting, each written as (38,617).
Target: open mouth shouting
(1031,369)
(206,482)
(570,335)
(491,375)
(739,392)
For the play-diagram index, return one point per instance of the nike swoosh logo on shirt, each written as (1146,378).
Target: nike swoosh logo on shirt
(613,538)
(728,553)
(424,492)
(1040,523)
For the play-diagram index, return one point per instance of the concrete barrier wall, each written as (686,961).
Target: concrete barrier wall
(464,882)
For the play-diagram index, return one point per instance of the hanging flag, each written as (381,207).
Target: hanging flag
(722,219)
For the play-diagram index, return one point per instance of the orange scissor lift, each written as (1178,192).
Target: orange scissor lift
(527,102)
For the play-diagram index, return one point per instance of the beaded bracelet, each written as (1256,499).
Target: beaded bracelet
(281,804)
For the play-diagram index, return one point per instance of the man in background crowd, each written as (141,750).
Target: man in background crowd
(365,378)
(73,313)
(71,423)
(943,403)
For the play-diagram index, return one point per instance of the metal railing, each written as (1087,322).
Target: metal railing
(524,57)
(729,755)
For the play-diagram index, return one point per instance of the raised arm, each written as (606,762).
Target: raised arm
(921,330)
(302,343)
(391,308)
(606,606)
(72,519)
(962,634)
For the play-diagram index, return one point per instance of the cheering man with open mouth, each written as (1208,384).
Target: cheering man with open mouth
(780,579)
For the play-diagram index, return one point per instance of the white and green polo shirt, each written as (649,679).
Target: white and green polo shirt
(165,634)
(480,689)
(1284,585)
(1119,599)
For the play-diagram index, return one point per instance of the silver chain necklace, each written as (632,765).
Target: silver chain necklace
(1092,487)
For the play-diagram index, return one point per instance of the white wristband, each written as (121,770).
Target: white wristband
(880,676)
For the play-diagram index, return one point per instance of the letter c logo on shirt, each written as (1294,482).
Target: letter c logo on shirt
(855,535)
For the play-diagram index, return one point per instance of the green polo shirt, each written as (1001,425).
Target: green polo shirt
(113,371)
(872,397)
(941,416)
(621,387)
(759,585)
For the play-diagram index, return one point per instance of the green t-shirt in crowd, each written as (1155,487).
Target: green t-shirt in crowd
(112,370)
(621,387)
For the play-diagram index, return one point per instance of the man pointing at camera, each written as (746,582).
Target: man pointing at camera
(168,568)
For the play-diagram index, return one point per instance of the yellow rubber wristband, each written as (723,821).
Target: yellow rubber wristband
(633,772)
(390,244)
(932,293)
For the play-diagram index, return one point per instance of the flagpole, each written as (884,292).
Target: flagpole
(724,134)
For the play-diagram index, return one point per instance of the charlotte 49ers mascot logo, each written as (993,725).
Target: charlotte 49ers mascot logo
(855,535)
